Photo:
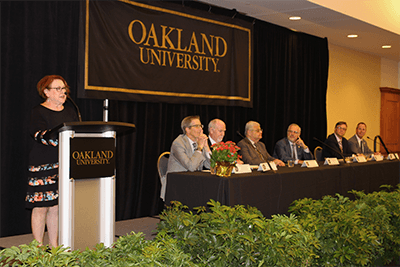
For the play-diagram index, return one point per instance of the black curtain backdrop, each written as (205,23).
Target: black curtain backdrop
(41,37)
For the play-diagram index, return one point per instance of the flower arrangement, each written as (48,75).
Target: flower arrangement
(224,152)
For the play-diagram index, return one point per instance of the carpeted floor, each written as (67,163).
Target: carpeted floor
(146,225)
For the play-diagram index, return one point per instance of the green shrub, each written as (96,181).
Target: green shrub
(129,250)
(236,236)
(348,231)
(390,231)
(333,231)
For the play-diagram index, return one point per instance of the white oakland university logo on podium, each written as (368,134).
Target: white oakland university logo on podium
(92,157)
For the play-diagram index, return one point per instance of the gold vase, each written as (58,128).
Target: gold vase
(224,168)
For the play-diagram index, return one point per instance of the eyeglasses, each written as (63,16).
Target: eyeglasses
(58,89)
(290,131)
(257,130)
(197,125)
(342,128)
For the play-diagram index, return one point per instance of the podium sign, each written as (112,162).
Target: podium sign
(92,157)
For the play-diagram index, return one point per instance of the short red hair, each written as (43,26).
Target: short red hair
(46,81)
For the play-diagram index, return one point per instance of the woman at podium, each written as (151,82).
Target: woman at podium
(42,192)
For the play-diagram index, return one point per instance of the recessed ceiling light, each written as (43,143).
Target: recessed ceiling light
(386,46)
(295,18)
(352,36)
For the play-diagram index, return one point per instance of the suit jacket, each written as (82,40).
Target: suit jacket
(250,155)
(283,151)
(332,142)
(183,158)
(355,146)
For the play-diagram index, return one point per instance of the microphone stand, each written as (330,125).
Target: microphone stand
(334,149)
(381,142)
(76,107)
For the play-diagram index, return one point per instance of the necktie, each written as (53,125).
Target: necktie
(259,153)
(340,145)
(361,146)
(294,154)
(194,146)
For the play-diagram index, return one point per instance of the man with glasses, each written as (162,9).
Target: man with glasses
(189,151)
(292,147)
(252,150)
(336,145)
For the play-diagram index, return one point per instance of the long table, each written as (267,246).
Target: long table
(273,192)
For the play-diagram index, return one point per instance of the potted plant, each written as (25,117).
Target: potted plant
(223,158)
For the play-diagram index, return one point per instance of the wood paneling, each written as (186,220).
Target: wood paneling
(390,118)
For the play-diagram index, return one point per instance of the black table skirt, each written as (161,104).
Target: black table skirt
(273,192)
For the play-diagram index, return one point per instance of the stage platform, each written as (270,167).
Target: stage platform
(146,225)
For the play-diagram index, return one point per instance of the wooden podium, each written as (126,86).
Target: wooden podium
(87,182)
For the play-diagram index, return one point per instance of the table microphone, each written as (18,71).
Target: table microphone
(334,149)
(380,143)
(77,109)
(258,152)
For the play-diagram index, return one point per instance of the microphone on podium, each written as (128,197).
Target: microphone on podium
(76,107)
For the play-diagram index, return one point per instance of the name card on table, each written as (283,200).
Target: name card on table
(376,157)
(392,156)
(331,161)
(273,166)
(263,167)
(242,168)
(310,164)
(359,159)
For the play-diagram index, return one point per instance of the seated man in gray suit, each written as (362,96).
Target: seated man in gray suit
(292,147)
(252,150)
(189,151)
(357,144)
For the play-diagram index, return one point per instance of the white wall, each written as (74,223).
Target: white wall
(389,73)
(353,93)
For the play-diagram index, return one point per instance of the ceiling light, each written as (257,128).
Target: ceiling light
(295,18)
(386,46)
(352,36)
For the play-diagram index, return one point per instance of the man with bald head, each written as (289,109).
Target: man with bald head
(292,147)
(216,131)
(253,151)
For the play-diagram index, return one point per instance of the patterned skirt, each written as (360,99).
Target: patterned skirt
(42,186)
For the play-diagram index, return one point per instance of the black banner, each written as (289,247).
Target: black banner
(92,157)
(141,52)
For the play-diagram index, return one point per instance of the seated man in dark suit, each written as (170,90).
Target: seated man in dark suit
(252,150)
(337,146)
(357,144)
(292,147)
